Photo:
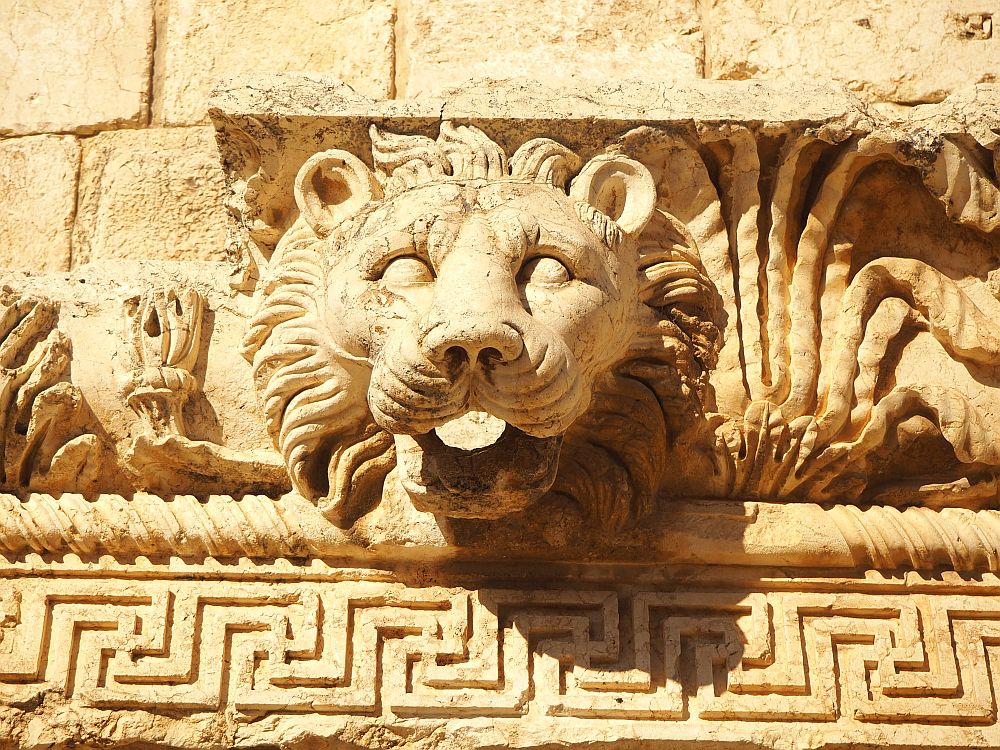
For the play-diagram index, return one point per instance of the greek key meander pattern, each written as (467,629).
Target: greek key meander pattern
(448,652)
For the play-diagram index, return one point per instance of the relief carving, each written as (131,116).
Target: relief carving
(817,335)
(640,416)
(577,331)
(689,320)
(44,444)
(656,657)
(476,324)
(165,327)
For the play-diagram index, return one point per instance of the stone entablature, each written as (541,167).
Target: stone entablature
(672,407)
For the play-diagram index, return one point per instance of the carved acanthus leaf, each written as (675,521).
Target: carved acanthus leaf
(42,415)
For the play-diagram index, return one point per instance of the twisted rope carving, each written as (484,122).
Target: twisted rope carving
(221,526)
(257,526)
(921,538)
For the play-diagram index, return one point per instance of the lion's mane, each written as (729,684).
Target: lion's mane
(614,457)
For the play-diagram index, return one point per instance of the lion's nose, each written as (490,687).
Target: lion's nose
(473,339)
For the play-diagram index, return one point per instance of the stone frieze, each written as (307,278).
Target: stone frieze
(332,659)
(523,417)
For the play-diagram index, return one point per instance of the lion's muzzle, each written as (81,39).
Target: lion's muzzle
(476,351)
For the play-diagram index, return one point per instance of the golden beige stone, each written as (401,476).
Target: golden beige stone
(69,67)
(189,664)
(796,409)
(444,43)
(483,324)
(351,40)
(38,183)
(911,51)
(647,415)
(150,194)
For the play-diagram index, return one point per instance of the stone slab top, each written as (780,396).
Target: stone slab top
(297,95)
(269,124)
(975,109)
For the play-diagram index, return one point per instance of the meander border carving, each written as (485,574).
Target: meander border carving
(806,651)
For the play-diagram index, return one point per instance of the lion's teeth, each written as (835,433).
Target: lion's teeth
(472,430)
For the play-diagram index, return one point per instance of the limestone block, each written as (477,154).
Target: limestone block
(202,43)
(455,411)
(150,194)
(910,51)
(63,68)
(38,183)
(444,43)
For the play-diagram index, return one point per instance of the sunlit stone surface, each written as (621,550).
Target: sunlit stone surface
(519,416)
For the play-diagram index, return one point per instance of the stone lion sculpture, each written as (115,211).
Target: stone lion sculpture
(488,329)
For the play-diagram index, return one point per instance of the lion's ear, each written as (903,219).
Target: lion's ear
(618,187)
(331,187)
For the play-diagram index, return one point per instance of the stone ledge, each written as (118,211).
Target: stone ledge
(269,125)
(721,532)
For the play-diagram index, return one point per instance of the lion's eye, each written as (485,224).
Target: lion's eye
(407,270)
(545,271)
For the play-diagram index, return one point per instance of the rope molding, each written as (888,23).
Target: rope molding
(260,527)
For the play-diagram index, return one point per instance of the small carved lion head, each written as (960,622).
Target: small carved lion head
(492,329)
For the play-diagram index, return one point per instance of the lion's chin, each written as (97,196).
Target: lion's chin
(504,476)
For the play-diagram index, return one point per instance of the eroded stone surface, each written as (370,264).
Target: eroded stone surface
(446,43)
(38,183)
(222,662)
(351,40)
(572,302)
(915,51)
(149,336)
(64,67)
(316,502)
(150,194)
(430,289)
(788,412)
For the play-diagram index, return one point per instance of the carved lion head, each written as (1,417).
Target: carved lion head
(492,329)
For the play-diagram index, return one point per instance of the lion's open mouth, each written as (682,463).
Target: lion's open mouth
(477,466)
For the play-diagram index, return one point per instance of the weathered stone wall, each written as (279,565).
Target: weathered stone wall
(625,408)
(105,150)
